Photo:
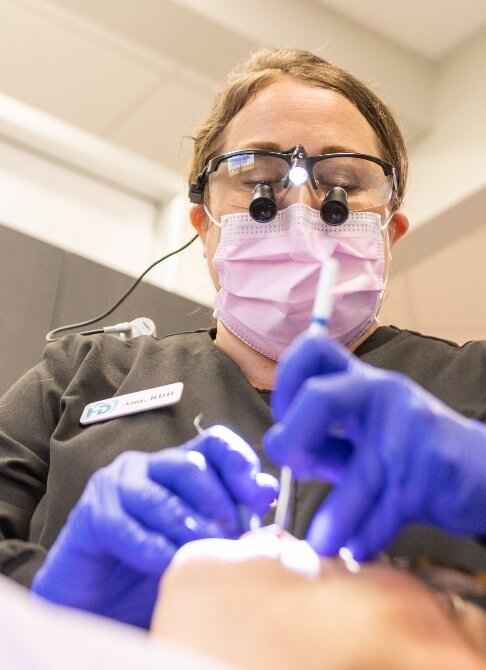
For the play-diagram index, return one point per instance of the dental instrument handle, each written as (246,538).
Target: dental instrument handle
(321,314)
(322,309)
(283,502)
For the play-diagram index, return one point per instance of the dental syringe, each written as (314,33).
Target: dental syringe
(321,314)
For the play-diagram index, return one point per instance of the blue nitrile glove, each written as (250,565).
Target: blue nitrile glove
(136,512)
(395,453)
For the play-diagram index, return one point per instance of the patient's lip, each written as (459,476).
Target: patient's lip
(295,555)
(271,542)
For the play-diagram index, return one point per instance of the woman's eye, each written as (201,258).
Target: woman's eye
(350,188)
(271,181)
(347,186)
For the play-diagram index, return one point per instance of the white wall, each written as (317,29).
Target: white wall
(58,205)
(449,164)
(71,189)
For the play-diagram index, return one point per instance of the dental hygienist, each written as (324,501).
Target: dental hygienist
(297,162)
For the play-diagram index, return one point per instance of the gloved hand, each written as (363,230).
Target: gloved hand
(394,452)
(136,512)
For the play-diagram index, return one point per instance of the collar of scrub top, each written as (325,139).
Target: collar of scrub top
(296,158)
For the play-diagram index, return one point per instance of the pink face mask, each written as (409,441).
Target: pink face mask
(268,273)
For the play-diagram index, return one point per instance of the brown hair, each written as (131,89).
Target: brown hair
(267,66)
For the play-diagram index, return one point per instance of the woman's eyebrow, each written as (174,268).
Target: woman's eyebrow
(273,146)
(266,146)
(337,149)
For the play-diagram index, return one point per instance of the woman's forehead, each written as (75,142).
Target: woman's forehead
(289,112)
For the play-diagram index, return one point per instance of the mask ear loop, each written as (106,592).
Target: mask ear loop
(384,227)
(210,216)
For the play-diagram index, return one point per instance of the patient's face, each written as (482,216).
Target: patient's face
(267,600)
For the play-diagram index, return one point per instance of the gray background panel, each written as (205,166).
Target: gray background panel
(42,287)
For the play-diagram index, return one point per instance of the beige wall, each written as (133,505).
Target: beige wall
(439,275)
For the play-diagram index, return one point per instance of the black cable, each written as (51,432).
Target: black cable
(50,335)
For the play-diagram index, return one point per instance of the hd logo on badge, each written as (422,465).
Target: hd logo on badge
(100,409)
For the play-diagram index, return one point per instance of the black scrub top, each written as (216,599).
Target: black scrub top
(47,456)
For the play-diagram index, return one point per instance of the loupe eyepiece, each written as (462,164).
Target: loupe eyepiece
(263,206)
(334,208)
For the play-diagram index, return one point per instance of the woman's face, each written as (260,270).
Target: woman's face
(281,116)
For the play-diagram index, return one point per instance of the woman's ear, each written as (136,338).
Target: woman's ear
(200,222)
(397,227)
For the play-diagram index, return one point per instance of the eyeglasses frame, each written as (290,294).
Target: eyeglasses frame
(293,155)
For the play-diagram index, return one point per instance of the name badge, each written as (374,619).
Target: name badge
(132,403)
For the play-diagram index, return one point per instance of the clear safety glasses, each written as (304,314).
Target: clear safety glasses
(257,181)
